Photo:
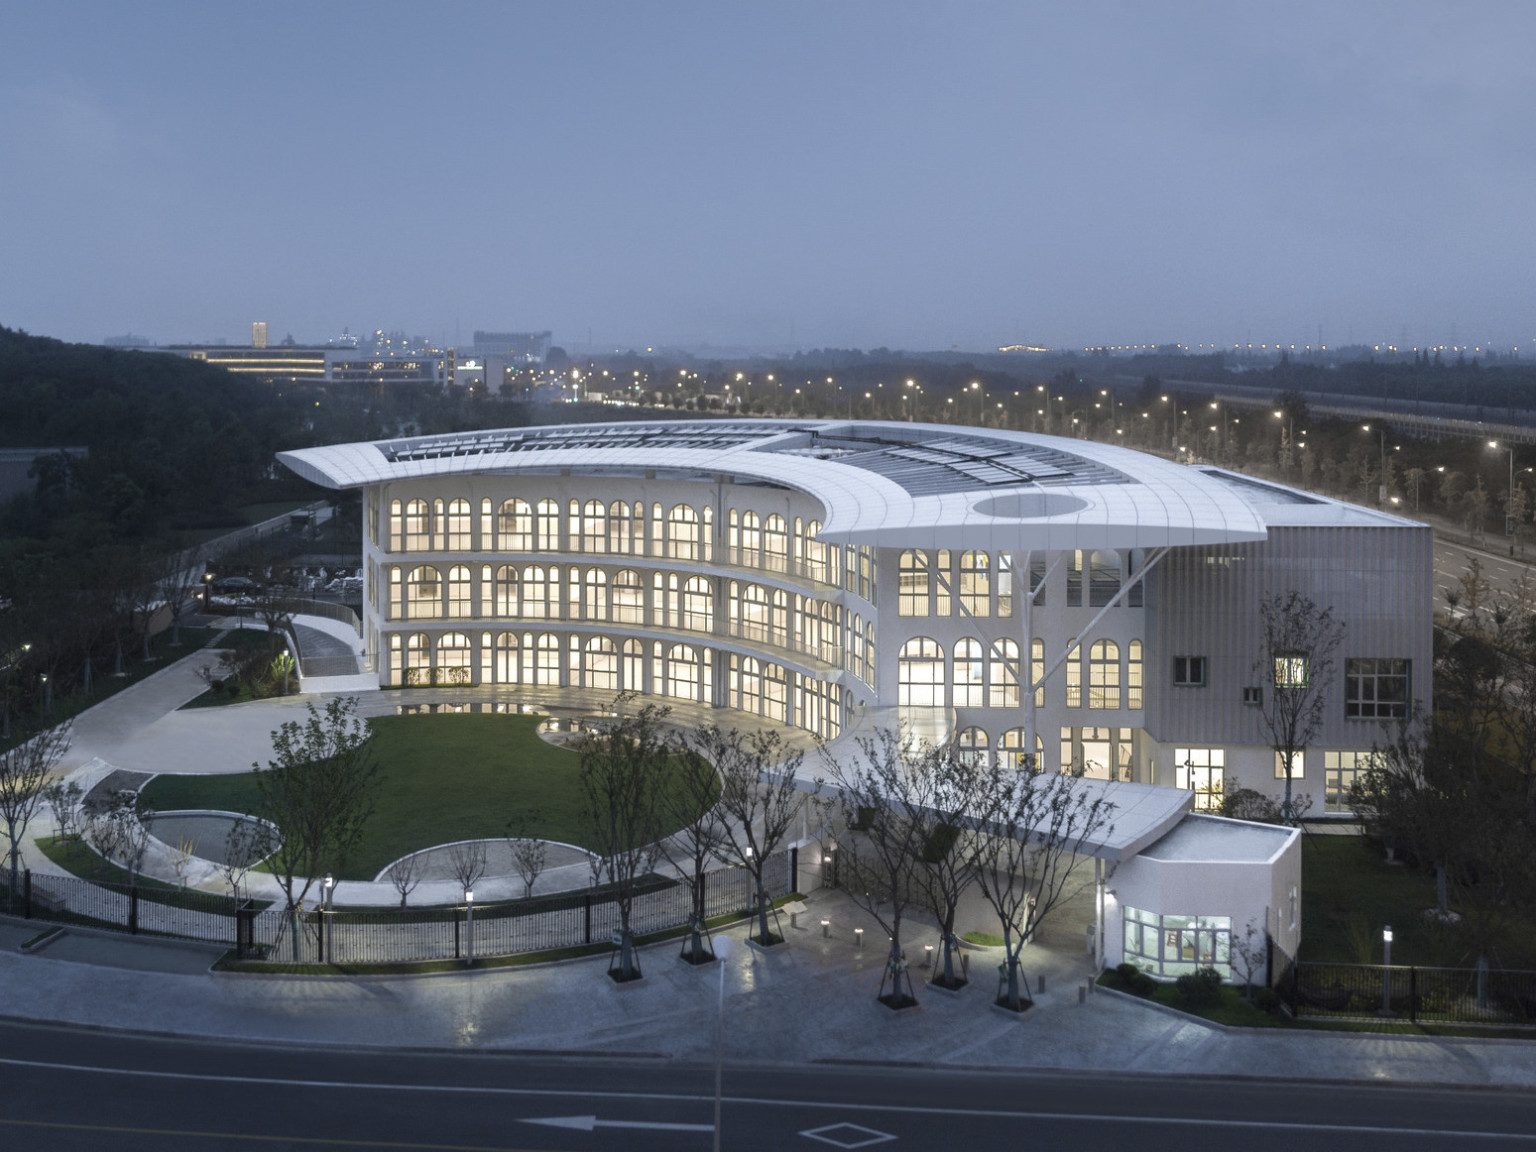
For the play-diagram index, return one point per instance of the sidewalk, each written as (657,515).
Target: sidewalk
(811,999)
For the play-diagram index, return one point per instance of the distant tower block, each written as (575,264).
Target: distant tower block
(258,334)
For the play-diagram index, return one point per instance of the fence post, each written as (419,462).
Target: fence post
(794,869)
(456,934)
(587,900)
(1269,960)
(27,891)
(133,909)
(1413,995)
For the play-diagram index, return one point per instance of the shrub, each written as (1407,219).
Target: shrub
(1266,1000)
(1135,980)
(1200,987)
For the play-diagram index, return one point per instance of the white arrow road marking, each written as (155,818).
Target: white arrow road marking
(587,1123)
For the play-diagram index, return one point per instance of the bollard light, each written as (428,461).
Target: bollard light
(858,938)
(927,955)
(825,925)
(327,884)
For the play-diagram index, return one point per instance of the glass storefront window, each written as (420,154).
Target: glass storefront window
(1176,945)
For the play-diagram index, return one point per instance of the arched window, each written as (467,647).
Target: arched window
(1133,697)
(698,605)
(460,526)
(1075,676)
(423,593)
(601,665)
(628,598)
(750,696)
(683,668)
(508,665)
(683,533)
(506,590)
(815,553)
(776,544)
(617,519)
(1104,674)
(634,666)
(546,668)
(594,527)
(396,594)
(920,674)
(1011,751)
(455,657)
(547,521)
(396,527)
(541,592)
(1037,669)
(912,597)
(775,693)
(969,675)
(971,747)
(461,588)
(418,527)
(418,659)
(594,602)
(514,526)
(1003,674)
(751,540)
(869,653)
(755,623)
(975,583)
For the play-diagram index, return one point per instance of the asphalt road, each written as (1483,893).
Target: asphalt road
(1501,572)
(73,1089)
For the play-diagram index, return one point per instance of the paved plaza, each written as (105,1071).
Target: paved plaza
(810,999)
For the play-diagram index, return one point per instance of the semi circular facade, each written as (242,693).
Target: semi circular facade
(1014,591)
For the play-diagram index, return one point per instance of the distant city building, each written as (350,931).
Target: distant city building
(513,347)
(372,370)
(258,334)
(128,340)
(271,364)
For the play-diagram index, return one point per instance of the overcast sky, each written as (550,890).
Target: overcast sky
(820,174)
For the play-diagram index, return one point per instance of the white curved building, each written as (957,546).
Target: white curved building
(820,571)
(1006,590)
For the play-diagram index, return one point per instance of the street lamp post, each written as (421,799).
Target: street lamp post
(1386,970)
(723,945)
(1509,523)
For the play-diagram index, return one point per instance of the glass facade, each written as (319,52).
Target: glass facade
(1165,945)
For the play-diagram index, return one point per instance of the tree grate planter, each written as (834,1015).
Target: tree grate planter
(902,1003)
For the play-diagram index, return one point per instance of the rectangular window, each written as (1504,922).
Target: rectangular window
(1189,671)
(1341,771)
(1253,697)
(912,599)
(1133,675)
(1004,584)
(1291,670)
(1203,772)
(945,572)
(1376,689)
(1075,677)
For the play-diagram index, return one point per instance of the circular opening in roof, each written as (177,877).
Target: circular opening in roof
(1029,505)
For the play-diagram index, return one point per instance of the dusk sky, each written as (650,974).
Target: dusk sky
(917,176)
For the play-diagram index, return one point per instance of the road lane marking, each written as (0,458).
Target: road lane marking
(887,1109)
(587,1123)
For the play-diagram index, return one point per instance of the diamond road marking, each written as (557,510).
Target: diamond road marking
(847,1136)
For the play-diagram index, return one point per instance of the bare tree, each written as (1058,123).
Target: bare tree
(317,793)
(466,860)
(884,791)
(404,874)
(623,775)
(1298,641)
(529,852)
(1250,955)
(24,772)
(242,851)
(1030,848)
(760,798)
(691,805)
(178,579)
(63,799)
(115,830)
(958,802)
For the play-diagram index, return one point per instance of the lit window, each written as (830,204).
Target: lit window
(460,525)
(1203,772)
(975,584)
(912,597)
(968,674)
(1104,674)
(514,526)
(1291,670)
(920,674)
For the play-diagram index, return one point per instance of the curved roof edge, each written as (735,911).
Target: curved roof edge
(882,483)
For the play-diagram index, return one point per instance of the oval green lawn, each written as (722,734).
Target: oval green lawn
(446,777)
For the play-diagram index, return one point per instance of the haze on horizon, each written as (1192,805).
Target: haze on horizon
(854,175)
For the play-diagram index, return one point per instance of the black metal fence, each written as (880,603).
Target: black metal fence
(386,935)
(1412,994)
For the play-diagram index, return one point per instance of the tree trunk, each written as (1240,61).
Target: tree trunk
(1440,899)
(86,677)
(626,954)
(762,913)
(294,927)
